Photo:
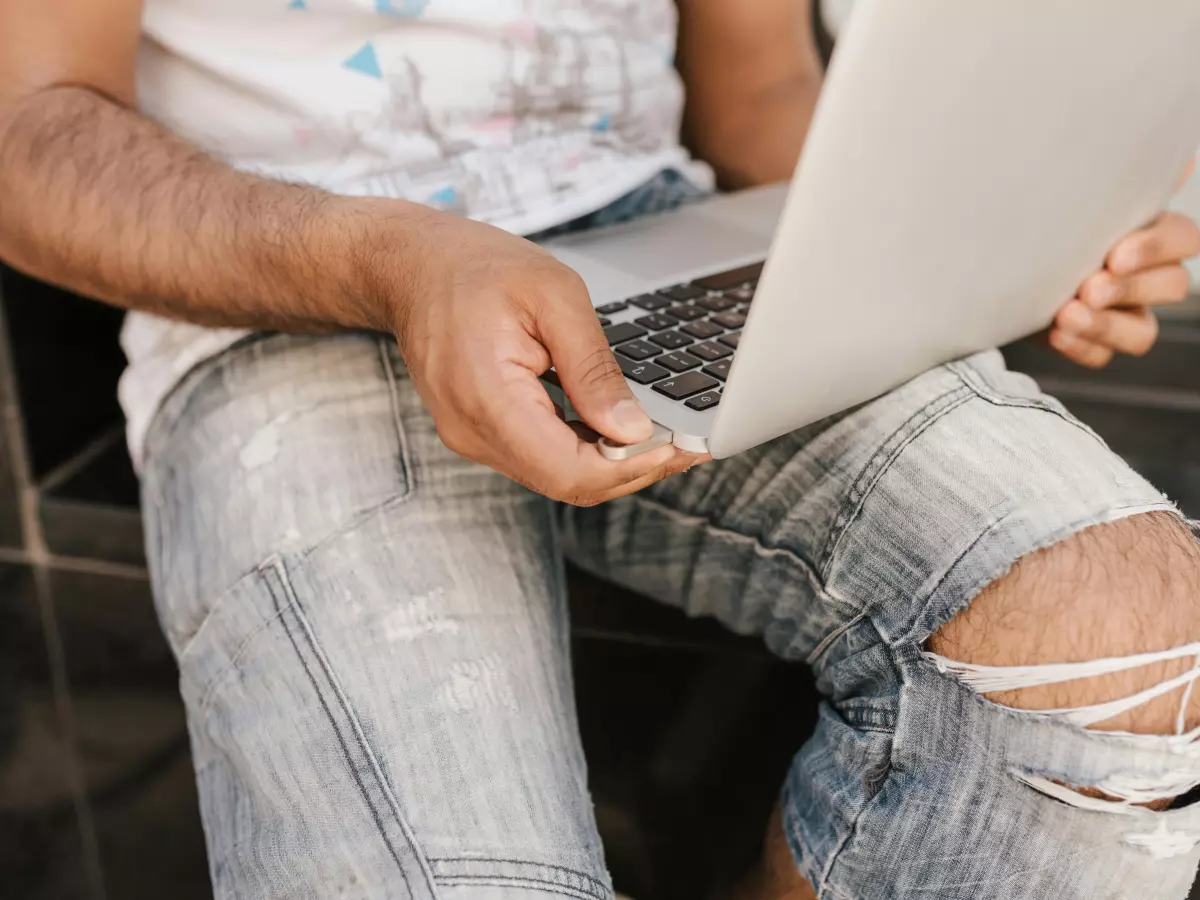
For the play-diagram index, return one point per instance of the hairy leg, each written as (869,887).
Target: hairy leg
(1111,591)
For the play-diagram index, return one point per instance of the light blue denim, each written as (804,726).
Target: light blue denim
(373,639)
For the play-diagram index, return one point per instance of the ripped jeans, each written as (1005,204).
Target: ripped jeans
(373,642)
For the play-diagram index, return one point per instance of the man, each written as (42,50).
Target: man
(349,536)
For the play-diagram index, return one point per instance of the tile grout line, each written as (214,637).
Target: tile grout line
(82,564)
(12,431)
(75,464)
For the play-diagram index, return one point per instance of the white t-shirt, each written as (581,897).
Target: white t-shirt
(523,113)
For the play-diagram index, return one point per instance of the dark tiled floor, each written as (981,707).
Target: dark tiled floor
(67,362)
(10,518)
(41,841)
(131,736)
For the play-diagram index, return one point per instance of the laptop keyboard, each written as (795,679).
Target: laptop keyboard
(682,339)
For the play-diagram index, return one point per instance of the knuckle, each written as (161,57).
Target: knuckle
(1150,247)
(583,499)
(598,368)
(565,490)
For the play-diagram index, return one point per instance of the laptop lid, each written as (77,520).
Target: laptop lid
(969,164)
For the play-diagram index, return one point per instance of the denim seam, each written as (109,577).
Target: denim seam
(915,633)
(532,884)
(799,847)
(587,885)
(881,462)
(814,578)
(291,601)
(405,471)
(825,888)
(830,639)
(219,678)
(389,374)
(990,394)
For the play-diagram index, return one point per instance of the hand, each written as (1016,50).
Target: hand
(1113,311)
(485,314)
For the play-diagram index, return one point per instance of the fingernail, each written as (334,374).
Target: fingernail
(1076,317)
(631,418)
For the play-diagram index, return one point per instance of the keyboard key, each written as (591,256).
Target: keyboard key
(626,331)
(604,321)
(678,361)
(609,308)
(734,277)
(719,369)
(730,340)
(701,330)
(671,340)
(716,304)
(707,400)
(685,385)
(650,302)
(655,322)
(687,313)
(730,320)
(709,352)
(638,350)
(641,372)
(684,292)
(742,294)
(742,309)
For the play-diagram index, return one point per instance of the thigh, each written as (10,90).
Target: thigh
(900,510)
(846,546)
(371,635)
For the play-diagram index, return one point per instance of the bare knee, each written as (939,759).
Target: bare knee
(1115,590)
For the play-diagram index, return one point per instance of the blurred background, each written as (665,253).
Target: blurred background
(688,730)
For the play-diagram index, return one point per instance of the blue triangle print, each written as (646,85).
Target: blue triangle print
(404,9)
(604,123)
(298,4)
(365,61)
(445,197)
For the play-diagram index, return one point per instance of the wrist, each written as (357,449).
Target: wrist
(384,249)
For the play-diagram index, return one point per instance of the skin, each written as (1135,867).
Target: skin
(101,200)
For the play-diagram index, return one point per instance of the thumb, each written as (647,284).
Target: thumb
(588,371)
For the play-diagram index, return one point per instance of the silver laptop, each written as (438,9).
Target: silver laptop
(969,164)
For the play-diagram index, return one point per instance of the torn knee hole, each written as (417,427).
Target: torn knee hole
(1130,793)
(1004,680)
(1148,833)
(1135,794)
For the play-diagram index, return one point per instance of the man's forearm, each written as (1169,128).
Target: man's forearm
(753,75)
(103,201)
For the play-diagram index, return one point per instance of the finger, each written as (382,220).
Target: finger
(587,369)
(1172,238)
(1131,331)
(1152,287)
(677,466)
(523,438)
(1080,351)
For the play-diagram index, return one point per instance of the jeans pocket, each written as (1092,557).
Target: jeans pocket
(284,443)
(294,796)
